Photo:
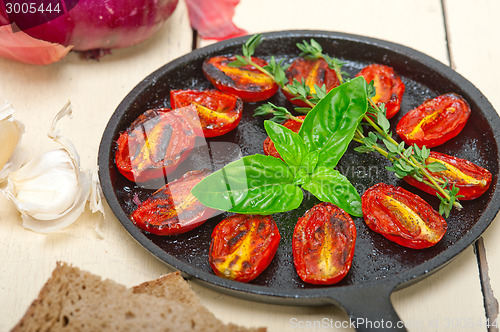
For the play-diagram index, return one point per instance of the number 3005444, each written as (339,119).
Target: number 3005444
(32,7)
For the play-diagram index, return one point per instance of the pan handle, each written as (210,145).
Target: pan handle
(370,309)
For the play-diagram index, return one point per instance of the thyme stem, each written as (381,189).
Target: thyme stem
(314,50)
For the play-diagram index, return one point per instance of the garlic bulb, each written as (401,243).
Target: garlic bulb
(11,131)
(51,191)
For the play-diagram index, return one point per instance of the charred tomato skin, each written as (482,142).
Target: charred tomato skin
(312,72)
(269,149)
(323,244)
(246,82)
(471,180)
(243,246)
(154,145)
(402,217)
(435,121)
(218,112)
(173,209)
(388,86)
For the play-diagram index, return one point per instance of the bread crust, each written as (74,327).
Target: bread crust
(76,300)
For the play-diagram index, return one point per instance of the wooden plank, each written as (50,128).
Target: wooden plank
(276,318)
(437,303)
(475,50)
(397,21)
(95,89)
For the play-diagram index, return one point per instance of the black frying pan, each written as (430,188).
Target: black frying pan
(379,266)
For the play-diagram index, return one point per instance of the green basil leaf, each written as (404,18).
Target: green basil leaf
(310,161)
(255,184)
(301,177)
(289,144)
(328,185)
(329,127)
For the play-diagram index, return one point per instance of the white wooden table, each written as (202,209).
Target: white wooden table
(460,33)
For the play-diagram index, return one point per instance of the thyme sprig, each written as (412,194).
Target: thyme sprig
(409,161)
(280,114)
(406,161)
(275,70)
(314,50)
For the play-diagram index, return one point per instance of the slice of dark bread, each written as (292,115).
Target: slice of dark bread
(170,286)
(76,300)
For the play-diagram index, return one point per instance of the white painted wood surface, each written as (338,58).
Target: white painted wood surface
(96,88)
(475,52)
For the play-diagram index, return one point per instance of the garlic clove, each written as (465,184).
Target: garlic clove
(11,131)
(9,136)
(15,162)
(47,186)
(51,200)
(51,191)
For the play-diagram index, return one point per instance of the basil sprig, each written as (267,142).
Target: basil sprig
(260,184)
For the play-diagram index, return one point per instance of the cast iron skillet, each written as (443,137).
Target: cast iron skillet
(379,266)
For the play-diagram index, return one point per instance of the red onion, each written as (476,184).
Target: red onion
(23,48)
(213,19)
(105,24)
(88,25)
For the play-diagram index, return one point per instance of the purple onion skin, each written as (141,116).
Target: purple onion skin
(106,24)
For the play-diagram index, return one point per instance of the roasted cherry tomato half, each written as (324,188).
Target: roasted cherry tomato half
(246,82)
(471,180)
(243,246)
(173,209)
(323,244)
(402,217)
(434,122)
(312,72)
(269,149)
(154,145)
(218,112)
(389,87)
